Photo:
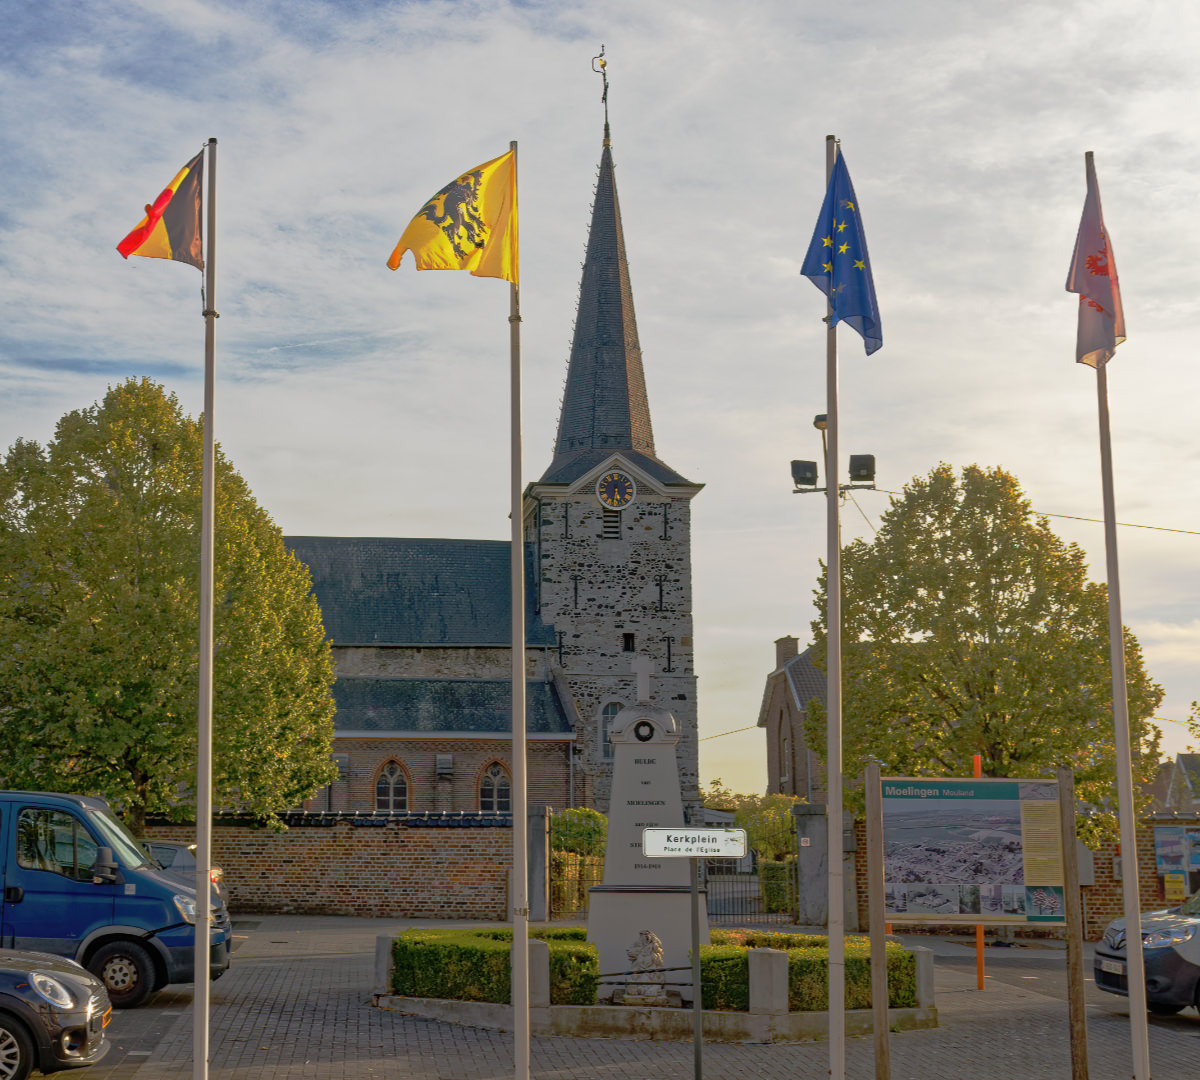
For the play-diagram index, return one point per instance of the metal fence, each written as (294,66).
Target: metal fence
(571,876)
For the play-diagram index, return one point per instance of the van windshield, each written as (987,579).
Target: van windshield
(126,850)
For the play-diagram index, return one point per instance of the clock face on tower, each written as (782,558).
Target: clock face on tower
(615,490)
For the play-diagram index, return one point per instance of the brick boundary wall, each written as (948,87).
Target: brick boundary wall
(390,871)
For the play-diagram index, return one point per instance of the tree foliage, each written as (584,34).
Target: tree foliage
(970,628)
(99,622)
(767,819)
(579,830)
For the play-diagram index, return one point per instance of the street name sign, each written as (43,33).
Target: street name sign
(694,843)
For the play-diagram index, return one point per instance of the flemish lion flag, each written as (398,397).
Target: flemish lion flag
(471,224)
(1093,275)
(171,227)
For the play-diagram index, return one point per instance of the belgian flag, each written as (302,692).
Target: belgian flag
(171,227)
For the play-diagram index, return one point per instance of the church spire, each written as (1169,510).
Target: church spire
(604,408)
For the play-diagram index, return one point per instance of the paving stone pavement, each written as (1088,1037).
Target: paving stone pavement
(296,1005)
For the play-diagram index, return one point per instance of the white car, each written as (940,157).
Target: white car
(1170,951)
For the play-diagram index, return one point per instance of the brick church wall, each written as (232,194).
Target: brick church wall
(548,768)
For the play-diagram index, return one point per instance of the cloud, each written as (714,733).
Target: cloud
(355,399)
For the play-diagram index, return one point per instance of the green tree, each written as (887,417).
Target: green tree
(579,830)
(970,628)
(99,622)
(767,819)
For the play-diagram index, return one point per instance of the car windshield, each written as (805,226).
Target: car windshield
(1191,906)
(114,833)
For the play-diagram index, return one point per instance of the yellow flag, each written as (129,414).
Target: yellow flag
(471,224)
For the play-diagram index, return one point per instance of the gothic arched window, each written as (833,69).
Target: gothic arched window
(391,789)
(607,715)
(495,790)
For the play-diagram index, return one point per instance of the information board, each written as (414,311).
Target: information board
(972,851)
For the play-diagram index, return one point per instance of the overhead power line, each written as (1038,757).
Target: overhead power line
(733,732)
(1076,517)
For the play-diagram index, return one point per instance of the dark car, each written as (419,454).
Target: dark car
(179,860)
(52,1014)
(1170,951)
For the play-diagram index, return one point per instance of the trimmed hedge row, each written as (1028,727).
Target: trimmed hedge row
(808,970)
(473,965)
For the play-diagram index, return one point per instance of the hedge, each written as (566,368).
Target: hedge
(777,884)
(474,965)
(808,970)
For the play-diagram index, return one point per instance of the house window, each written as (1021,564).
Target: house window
(495,791)
(610,527)
(391,789)
(607,716)
(628,643)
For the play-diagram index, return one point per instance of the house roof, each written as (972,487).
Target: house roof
(605,408)
(443,706)
(805,681)
(381,591)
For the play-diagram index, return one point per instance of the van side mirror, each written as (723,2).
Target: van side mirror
(105,870)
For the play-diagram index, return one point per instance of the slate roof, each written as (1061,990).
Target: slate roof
(604,407)
(379,591)
(805,678)
(805,682)
(443,707)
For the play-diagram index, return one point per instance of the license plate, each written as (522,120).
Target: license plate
(1113,967)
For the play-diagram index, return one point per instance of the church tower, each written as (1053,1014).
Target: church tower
(610,524)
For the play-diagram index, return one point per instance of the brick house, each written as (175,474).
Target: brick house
(420,627)
(792,766)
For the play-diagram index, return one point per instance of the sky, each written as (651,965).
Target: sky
(357,401)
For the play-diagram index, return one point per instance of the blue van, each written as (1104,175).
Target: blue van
(77,884)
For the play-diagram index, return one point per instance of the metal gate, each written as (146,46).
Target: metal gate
(752,891)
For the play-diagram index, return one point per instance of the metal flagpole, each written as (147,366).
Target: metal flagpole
(520,827)
(833,677)
(200,1005)
(1139,1033)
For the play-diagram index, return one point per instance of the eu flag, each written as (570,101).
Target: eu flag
(837,261)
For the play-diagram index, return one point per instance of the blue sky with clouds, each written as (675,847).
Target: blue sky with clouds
(358,401)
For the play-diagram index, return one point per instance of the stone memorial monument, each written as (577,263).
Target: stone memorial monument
(644,906)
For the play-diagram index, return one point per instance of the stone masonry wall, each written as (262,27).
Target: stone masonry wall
(596,590)
(392,871)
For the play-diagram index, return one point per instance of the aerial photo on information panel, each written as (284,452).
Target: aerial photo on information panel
(952,853)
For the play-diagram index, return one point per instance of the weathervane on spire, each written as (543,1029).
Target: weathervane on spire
(600,66)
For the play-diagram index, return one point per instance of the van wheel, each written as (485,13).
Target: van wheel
(16,1050)
(127,972)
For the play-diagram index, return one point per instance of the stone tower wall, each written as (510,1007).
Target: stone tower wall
(595,590)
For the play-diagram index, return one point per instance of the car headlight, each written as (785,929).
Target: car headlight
(187,907)
(52,990)
(1175,935)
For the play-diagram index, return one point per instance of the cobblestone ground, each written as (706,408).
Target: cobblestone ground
(296,1006)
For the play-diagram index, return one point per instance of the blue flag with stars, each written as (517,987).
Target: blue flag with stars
(837,261)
